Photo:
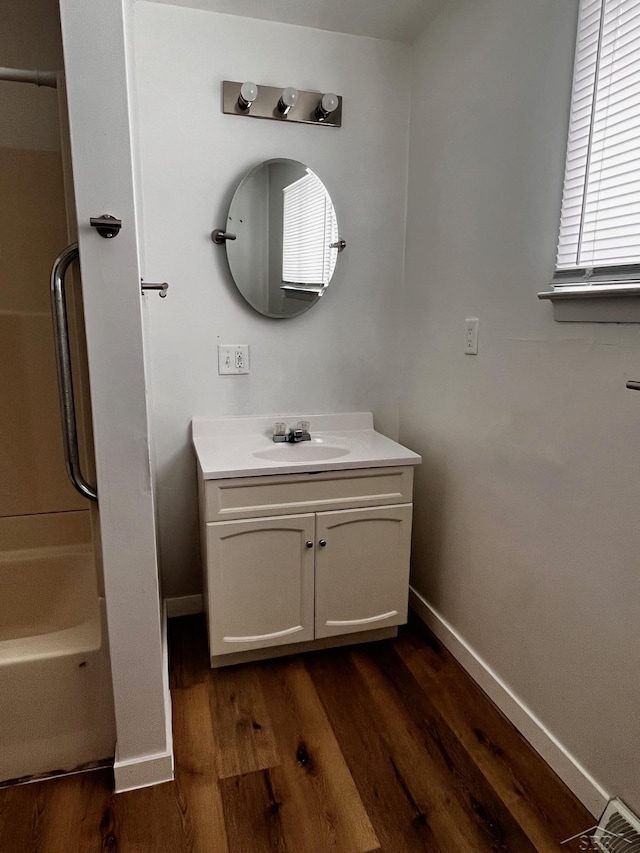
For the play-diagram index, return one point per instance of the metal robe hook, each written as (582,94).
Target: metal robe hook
(161,288)
(106,225)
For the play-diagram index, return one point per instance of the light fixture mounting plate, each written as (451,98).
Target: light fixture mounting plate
(266,105)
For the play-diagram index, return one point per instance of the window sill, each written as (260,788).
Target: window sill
(618,303)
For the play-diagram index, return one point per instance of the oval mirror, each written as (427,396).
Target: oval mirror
(286,238)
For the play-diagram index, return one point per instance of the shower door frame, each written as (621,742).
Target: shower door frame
(96,39)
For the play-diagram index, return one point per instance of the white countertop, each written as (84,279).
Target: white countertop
(227,447)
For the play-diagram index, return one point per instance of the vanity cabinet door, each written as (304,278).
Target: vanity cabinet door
(362,570)
(260,582)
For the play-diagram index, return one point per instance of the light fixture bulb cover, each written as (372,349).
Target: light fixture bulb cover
(329,102)
(248,92)
(289,96)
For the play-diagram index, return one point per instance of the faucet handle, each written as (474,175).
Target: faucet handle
(280,431)
(301,432)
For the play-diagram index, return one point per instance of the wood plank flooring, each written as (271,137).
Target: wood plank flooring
(384,747)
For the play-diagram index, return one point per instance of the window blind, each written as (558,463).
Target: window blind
(309,226)
(600,221)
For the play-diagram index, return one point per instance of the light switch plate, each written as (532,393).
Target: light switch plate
(233,358)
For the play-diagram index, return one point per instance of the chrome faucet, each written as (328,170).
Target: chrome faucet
(292,436)
(298,434)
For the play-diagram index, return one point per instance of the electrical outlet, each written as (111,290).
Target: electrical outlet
(233,358)
(471,335)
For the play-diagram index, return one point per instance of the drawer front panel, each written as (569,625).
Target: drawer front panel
(258,497)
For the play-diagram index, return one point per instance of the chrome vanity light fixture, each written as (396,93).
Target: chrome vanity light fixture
(281,104)
(327,105)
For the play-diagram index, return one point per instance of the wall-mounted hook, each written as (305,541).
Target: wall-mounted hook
(340,245)
(161,288)
(106,225)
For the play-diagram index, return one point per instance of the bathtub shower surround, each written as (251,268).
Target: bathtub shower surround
(56,705)
(56,709)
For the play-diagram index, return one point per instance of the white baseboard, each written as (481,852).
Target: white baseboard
(143,771)
(577,779)
(168,707)
(184,605)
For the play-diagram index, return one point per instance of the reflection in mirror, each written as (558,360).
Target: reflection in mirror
(282,259)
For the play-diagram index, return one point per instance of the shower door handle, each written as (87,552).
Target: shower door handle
(63,365)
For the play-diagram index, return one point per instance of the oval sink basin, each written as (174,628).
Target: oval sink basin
(302,452)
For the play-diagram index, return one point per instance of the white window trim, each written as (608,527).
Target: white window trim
(596,304)
(605,294)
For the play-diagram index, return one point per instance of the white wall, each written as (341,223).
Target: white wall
(341,355)
(526,523)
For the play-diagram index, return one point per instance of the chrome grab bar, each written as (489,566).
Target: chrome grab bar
(63,365)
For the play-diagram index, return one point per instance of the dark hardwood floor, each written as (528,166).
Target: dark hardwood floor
(385,747)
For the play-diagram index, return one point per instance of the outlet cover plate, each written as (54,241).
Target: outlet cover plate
(233,359)
(471,335)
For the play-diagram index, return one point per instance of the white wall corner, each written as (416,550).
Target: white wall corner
(577,779)
(95,38)
(184,605)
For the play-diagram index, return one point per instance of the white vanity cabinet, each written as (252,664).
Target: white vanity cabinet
(299,561)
